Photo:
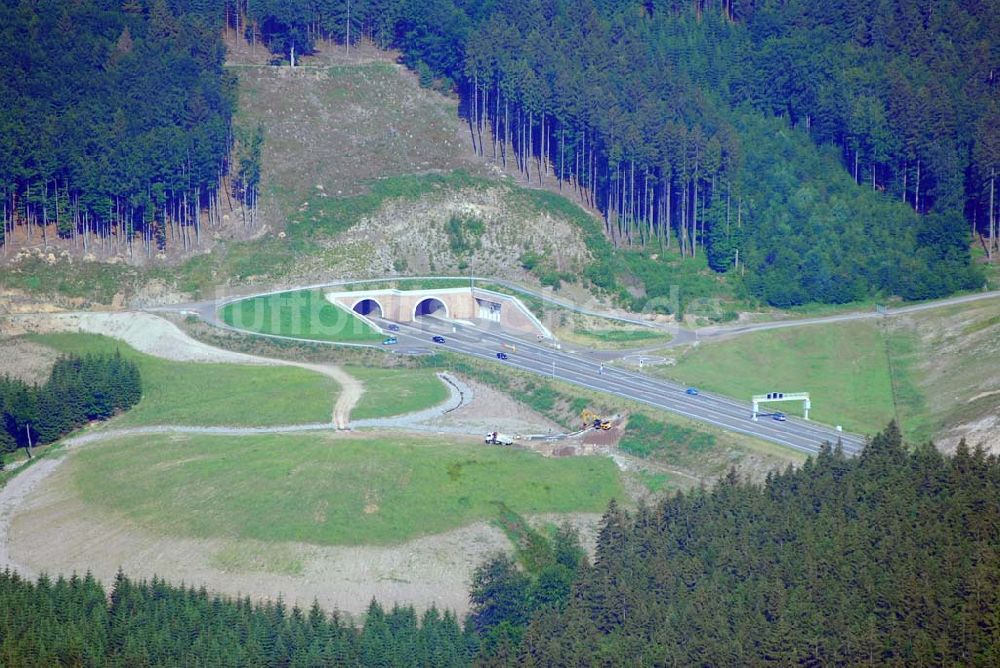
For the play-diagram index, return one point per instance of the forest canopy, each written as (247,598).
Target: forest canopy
(79,389)
(814,152)
(657,114)
(114,117)
(889,558)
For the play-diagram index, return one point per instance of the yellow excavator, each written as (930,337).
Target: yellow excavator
(592,419)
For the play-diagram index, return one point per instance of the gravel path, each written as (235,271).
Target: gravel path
(12,495)
(459,395)
(351,390)
(145,332)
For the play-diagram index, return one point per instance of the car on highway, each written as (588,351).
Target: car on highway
(392,328)
(391,341)
(693,391)
(501,356)
(438,339)
(780,417)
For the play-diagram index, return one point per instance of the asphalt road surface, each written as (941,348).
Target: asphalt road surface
(579,368)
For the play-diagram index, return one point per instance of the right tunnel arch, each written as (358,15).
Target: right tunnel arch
(430,306)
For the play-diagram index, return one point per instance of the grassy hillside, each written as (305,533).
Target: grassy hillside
(951,384)
(189,393)
(930,370)
(396,391)
(327,490)
(843,366)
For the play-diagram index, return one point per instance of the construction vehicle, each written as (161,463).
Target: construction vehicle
(496,438)
(593,420)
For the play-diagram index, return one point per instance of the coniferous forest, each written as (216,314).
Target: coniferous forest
(76,622)
(821,152)
(661,115)
(114,121)
(889,558)
(79,389)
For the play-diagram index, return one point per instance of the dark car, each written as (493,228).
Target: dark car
(438,339)
(501,356)
(693,391)
(780,417)
(392,328)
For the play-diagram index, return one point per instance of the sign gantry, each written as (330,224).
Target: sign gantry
(781,396)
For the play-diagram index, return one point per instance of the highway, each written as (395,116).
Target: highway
(586,369)
(579,369)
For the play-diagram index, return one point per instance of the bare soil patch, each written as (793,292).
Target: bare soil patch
(12,496)
(145,332)
(415,234)
(27,361)
(954,370)
(492,410)
(593,442)
(13,300)
(605,438)
(984,433)
(333,126)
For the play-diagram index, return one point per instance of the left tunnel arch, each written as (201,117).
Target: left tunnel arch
(368,307)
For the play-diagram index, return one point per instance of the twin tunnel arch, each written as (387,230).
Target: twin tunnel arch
(373,308)
(421,307)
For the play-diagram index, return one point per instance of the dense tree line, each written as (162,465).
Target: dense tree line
(72,622)
(114,121)
(650,111)
(506,593)
(891,558)
(79,389)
